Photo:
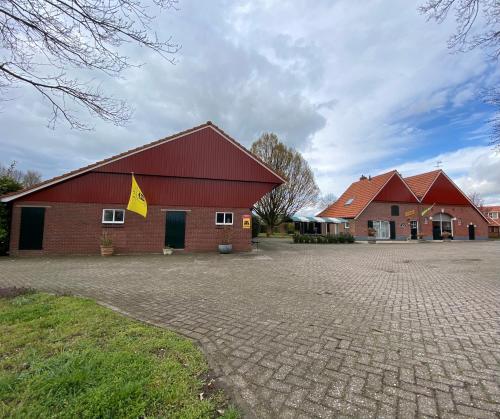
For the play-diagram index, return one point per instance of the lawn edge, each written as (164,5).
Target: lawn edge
(221,379)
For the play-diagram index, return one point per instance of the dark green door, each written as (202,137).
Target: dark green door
(31,234)
(175,229)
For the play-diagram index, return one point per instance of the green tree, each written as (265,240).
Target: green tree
(7,184)
(299,191)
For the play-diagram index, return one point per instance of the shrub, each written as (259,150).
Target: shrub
(349,238)
(296,238)
(341,238)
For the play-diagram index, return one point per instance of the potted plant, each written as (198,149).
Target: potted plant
(420,238)
(446,235)
(372,233)
(107,248)
(225,246)
(167,250)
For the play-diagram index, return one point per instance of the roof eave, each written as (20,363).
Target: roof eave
(78,172)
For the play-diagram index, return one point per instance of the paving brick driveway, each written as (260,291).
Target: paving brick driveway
(317,330)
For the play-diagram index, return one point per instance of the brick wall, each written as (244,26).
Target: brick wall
(72,228)
(381,211)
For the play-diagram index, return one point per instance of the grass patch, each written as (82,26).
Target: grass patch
(69,357)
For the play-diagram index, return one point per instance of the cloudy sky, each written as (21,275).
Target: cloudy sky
(358,87)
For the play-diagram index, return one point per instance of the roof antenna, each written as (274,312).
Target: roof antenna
(438,164)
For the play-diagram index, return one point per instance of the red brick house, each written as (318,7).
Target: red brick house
(493,215)
(197,183)
(401,208)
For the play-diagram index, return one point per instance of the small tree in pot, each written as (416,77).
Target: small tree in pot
(372,233)
(225,245)
(107,248)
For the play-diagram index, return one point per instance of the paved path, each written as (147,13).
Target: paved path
(317,330)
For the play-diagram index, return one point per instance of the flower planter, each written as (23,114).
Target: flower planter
(107,250)
(168,251)
(372,240)
(225,248)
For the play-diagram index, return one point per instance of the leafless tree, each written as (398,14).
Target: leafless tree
(26,179)
(477,200)
(478,26)
(299,191)
(31,178)
(43,41)
(327,199)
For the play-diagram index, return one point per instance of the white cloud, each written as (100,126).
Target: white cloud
(473,169)
(345,82)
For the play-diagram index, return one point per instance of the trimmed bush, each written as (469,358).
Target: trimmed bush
(320,239)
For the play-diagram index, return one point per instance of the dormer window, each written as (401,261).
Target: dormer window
(348,202)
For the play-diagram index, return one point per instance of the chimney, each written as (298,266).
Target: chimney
(363,177)
(369,177)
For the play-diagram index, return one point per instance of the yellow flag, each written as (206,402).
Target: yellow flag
(137,202)
(427,210)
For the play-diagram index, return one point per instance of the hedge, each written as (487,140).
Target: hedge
(322,239)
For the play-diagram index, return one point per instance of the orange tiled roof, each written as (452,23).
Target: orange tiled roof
(420,184)
(361,193)
(492,221)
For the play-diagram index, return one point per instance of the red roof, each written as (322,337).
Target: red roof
(492,208)
(354,200)
(268,174)
(434,186)
(420,184)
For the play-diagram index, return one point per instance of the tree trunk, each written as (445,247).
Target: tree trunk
(269,230)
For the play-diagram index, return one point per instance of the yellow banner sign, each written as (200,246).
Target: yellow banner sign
(247,221)
(410,213)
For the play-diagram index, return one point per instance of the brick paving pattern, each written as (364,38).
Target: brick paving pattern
(390,330)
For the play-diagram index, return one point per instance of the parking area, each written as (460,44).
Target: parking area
(295,330)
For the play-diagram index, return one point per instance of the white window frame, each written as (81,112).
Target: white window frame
(346,225)
(224,223)
(379,229)
(493,215)
(114,212)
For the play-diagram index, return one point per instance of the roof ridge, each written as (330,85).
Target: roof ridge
(151,144)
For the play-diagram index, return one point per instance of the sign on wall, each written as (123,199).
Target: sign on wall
(410,213)
(247,221)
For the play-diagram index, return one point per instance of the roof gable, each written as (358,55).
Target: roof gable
(361,192)
(421,183)
(396,190)
(205,152)
(443,191)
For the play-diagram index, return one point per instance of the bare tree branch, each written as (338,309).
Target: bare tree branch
(478,26)
(299,191)
(40,40)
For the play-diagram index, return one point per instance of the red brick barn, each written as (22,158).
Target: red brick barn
(198,184)
(400,208)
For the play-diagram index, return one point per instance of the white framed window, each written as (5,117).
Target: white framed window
(346,225)
(113,216)
(383,229)
(224,218)
(493,215)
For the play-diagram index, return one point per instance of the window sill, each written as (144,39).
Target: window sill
(110,225)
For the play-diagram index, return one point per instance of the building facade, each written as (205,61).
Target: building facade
(200,185)
(493,215)
(426,206)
